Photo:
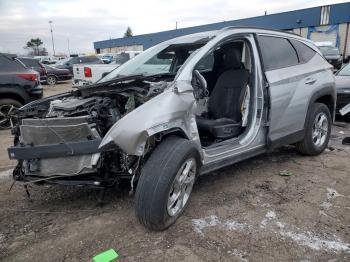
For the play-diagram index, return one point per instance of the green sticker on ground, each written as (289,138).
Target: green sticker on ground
(106,256)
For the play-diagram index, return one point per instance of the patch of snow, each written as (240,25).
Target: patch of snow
(213,221)
(331,194)
(270,215)
(297,235)
(238,254)
(315,242)
(5,174)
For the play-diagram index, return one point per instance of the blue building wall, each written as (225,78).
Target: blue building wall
(339,13)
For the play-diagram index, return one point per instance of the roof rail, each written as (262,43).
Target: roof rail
(259,28)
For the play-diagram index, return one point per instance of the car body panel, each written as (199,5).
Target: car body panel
(343,91)
(169,110)
(290,94)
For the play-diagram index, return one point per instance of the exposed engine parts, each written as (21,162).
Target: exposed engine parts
(57,139)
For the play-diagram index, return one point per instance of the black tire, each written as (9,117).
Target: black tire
(156,182)
(51,80)
(307,146)
(5,105)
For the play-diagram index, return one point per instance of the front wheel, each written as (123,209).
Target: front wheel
(318,131)
(7,109)
(166,183)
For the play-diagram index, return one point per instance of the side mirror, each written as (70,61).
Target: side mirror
(199,84)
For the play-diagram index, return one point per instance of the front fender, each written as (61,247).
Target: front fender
(166,111)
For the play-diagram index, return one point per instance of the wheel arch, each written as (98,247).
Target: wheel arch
(13,93)
(327,96)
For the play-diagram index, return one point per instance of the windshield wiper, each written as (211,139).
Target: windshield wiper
(161,75)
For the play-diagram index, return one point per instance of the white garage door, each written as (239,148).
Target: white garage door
(323,37)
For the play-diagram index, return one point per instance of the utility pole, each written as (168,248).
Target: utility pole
(176,25)
(53,44)
(68,46)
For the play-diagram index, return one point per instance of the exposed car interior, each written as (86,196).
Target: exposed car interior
(223,110)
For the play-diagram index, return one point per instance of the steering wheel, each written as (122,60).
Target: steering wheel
(200,85)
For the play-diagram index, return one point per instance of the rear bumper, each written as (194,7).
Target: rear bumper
(36,93)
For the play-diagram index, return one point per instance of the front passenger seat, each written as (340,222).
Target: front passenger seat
(224,118)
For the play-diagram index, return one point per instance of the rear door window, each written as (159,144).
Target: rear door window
(305,53)
(277,52)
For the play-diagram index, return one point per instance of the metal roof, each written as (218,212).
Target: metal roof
(339,13)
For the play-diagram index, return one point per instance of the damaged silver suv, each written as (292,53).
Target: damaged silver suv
(182,108)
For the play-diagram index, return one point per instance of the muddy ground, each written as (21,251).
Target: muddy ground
(245,212)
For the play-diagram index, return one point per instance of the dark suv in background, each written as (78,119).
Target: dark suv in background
(35,65)
(18,86)
(70,61)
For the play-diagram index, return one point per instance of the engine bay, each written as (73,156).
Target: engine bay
(58,137)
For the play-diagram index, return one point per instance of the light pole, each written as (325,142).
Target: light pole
(53,44)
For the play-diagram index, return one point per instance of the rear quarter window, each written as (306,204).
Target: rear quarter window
(277,52)
(305,53)
(29,62)
(9,65)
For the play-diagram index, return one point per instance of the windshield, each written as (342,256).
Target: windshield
(345,71)
(63,61)
(329,50)
(164,58)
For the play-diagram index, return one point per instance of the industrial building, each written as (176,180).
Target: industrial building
(324,23)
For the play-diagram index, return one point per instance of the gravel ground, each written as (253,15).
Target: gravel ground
(245,212)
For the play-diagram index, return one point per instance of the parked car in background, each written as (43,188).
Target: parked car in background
(18,86)
(35,65)
(220,97)
(342,80)
(85,74)
(332,55)
(107,58)
(46,60)
(69,62)
(55,75)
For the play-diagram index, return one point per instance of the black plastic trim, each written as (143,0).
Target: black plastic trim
(54,150)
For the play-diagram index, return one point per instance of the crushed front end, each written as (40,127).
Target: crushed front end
(57,139)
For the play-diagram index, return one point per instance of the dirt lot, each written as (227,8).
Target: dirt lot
(246,212)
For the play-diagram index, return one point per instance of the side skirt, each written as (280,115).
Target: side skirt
(231,160)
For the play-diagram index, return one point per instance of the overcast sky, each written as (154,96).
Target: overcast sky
(86,21)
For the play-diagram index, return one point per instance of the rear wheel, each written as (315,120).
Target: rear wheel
(318,131)
(166,183)
(51,80)
(7,108)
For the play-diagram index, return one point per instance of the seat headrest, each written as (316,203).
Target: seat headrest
(233,58)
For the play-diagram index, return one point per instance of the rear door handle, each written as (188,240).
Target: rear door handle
(310,81)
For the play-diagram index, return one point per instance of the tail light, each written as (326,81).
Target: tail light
(44,69)
(29,76)
(87,71)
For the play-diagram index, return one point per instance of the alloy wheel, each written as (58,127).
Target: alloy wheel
(320,129)
(6,114)
(181,188)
